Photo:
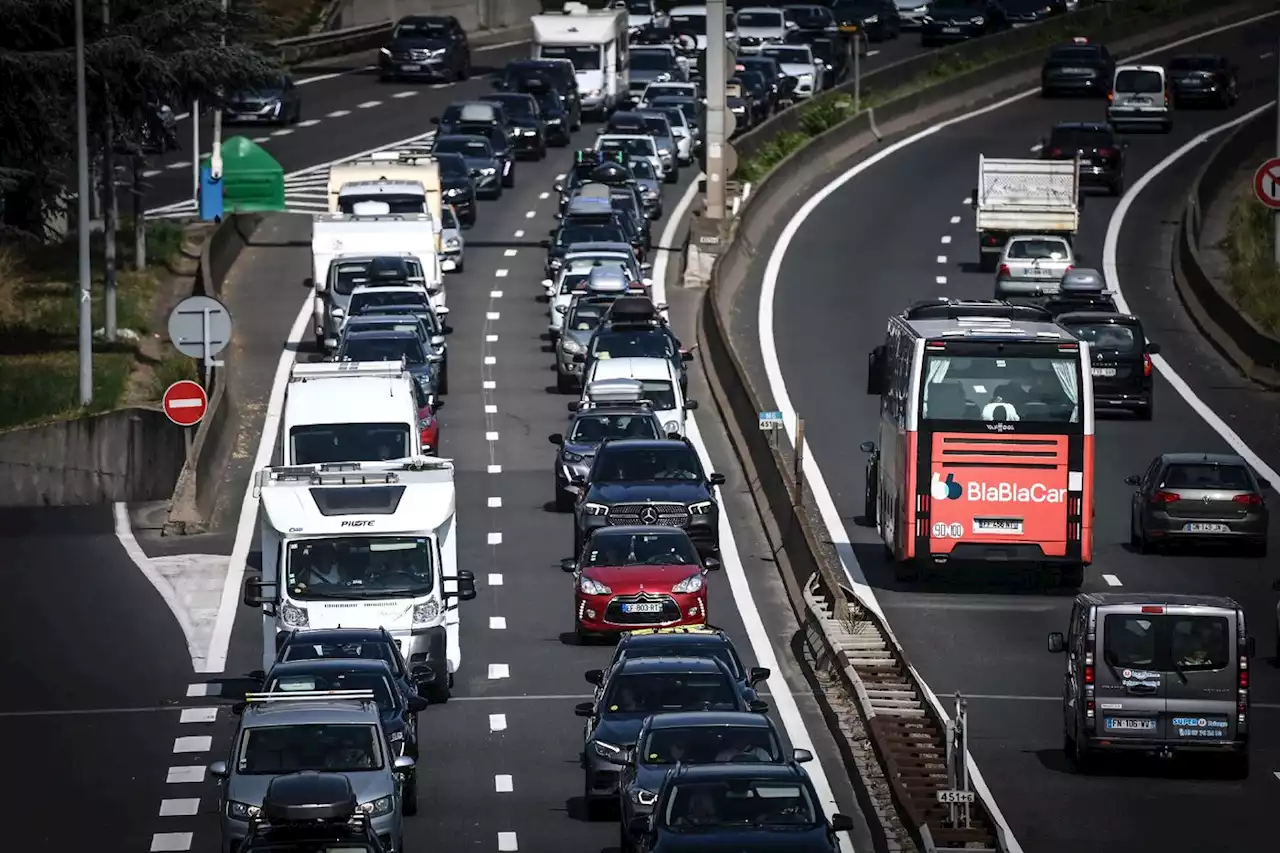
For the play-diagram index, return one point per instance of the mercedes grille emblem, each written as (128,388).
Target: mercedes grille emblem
(649,515)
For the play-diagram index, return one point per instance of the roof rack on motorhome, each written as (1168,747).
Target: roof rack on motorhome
(349,369)
(350,473)
(946,308)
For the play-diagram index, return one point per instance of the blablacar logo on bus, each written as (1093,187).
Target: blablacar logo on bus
(976,490)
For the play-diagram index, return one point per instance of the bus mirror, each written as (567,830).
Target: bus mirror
(875,371)
(867,447)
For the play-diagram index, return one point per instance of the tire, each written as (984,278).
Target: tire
(459,266)
(1257,550)
(987,261)
(411,796)
(591,806)
(1079,759)
(465,72)
(509,179)
(1167,127)
(905,571)
(1147,410)
(564,385)
(1135,538)
(1071,576)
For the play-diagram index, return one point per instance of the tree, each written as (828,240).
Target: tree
(153,52)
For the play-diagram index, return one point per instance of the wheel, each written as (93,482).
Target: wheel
(1257,550)
(591,807)
(1167,127)
(1071,576)
(458,265)
(987,261)
(564,500)
(1135,538)
(869,497)
(1146,410)
(1144,544)
(624,841)
(580,637)
(509,179)
(443,387)
(410,795)
(465,71)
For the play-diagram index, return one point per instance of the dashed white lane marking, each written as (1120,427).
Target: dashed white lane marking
(946,239)
(490,359)
(490,436)
(967,201)
(495,503)
(871,53)
(497,623)
(942,259)
(502,784)
(942,279)
(338,114)
(495,469)
(311,122)
(490,384)
(408,94)
(182,807)
(544,196)
(490,339)
(1112,580)
(492,315)
(187,774)
(173,842)
(490,409)
(531,214)
(499,670)
(261,139)
(495,579)
(511,253)
(367,104)
(1037,148)
(559,177)
(955,220)
(192,743)
(195,691)
(495,294)
(498,723)
(198,715)
(507,842)
(519,234)
(495,538)
(181,164)
(500,273)
(151,173)
(284,131)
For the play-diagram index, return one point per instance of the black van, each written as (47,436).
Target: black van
(1155,674)
(1123,376)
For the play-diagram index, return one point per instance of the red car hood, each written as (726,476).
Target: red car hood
(625,580)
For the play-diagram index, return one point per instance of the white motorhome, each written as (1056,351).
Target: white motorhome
(596,43)
(351,412)
(410,166)
(363,545)
(336,236)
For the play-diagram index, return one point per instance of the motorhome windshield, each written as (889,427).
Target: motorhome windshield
(395,202)
(585,57)
(346,275)
(315,444)
(359,567)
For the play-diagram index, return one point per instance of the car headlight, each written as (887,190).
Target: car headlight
(453,243)
(572,458)
(702,507)
(242,811)
(425,613)
(977,20)
(641,797)
(689,584)
(293,616)
(604,750)
(384,51)
(664,152)
(595,509)
(571,347)
(651,195)
(489,171)
(453,192)
(590,587)
(873,19)
(378,807)
(529,131)
(671,426)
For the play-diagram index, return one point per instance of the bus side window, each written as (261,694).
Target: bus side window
(900,351)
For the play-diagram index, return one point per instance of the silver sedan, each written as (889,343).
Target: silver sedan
(1033,265)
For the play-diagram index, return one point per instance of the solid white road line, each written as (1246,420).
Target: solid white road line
(782,398)
(783,702)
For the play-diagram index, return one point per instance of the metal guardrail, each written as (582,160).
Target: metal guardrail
(333,42)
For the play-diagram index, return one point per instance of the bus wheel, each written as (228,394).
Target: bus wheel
(1071,576)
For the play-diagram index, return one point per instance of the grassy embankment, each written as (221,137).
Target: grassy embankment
(1250,246)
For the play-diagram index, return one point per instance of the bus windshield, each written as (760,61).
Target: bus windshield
(1037,389)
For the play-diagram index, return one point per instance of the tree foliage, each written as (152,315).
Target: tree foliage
(151,52)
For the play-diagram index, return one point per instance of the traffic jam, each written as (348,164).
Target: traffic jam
(991,402)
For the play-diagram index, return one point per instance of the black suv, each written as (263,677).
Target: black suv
(427,47)
(516,76)
(589,428)
(529,131)
(952,21)
(648,481)
(1099,147)
(634,328)
(1203,79)
(1120,360)
(1077,68)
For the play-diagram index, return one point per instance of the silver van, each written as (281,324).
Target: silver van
(1155,674)
(1139,97)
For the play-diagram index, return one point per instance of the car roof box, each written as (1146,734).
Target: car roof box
(1083,281)
(633,309)
(309,796)
(605,392)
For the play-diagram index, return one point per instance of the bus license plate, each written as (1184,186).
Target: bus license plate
(1130,725)
(1205,527)
(1004,526)
(642,607)
(1104,371)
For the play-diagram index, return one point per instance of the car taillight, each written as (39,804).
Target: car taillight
(1004,270)
(1106,152)
(1055,152)
(1165,497)
(1166,97)
(1242,690)
(1248,500)
(1111,96)
(1069,268)
(1088,674)
(1146,364)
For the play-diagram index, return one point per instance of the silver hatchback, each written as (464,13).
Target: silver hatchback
(1033,265)
(1139,97)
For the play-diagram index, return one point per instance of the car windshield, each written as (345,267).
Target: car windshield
(664,90)
(614,549)
(1196,63)
(361,650)
(710,745)
(635,146)
(377,347)
(642,343)
(693,25)
(673,115)
(759,19)
(643,169)
(315,444)
(475,148)
(685,105)
(373,299)
(329,678)
(636,464)
(664,692)
(346,276)
(421,30)
(656,126)
(593,429)
(389,323)
(1074,53)
(1207,475)
(583,57)
(449,219)
(789,55)
(807,16)
(359,567)
(721,651)
(1168,643)
(652,60)
(452,165)
(1077,138)
(514,105)
(691,806)
(1107,336)
(1139,81)
(856,8)
(585,317)
(1037,249)
(571,233)
(1039,389)
(324,748)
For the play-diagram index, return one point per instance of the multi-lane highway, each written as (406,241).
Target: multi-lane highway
(898,229)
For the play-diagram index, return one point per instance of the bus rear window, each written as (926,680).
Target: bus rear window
(995,389)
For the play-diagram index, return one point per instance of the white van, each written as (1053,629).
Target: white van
(596,43)
(350,412)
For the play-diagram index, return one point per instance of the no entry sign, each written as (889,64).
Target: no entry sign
(1266,183)
(185,402)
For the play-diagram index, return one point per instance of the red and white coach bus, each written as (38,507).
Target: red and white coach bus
(985,452)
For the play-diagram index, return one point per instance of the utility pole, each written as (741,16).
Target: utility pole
(857,71)
(110,207)
(716,55)
(195,151)
(82,217)
(215,151)
(139,216)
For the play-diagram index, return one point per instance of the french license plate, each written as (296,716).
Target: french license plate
(642,607)
(1205,527)
(1140,101)
(951,29)
(1127,724)
(412,66)
(1004,526)
(1103,371)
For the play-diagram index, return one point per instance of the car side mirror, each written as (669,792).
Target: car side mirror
(686,355)
(437,340)
(716,479)
(841,823)
(1057,643)
(1132,480)
(546,244)
(568,564)
(556,438)
(558,187)
(1153,348)
(712,564)
(867,447)
(219,770)
(554,231)
(238,708)
(403,764)
(801,756)
(584,709)
(308,283)
(435,119)
(558,216)
(690,405)
(621,758)
(758,674)
(416,704)
(594,676)
(758,706)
